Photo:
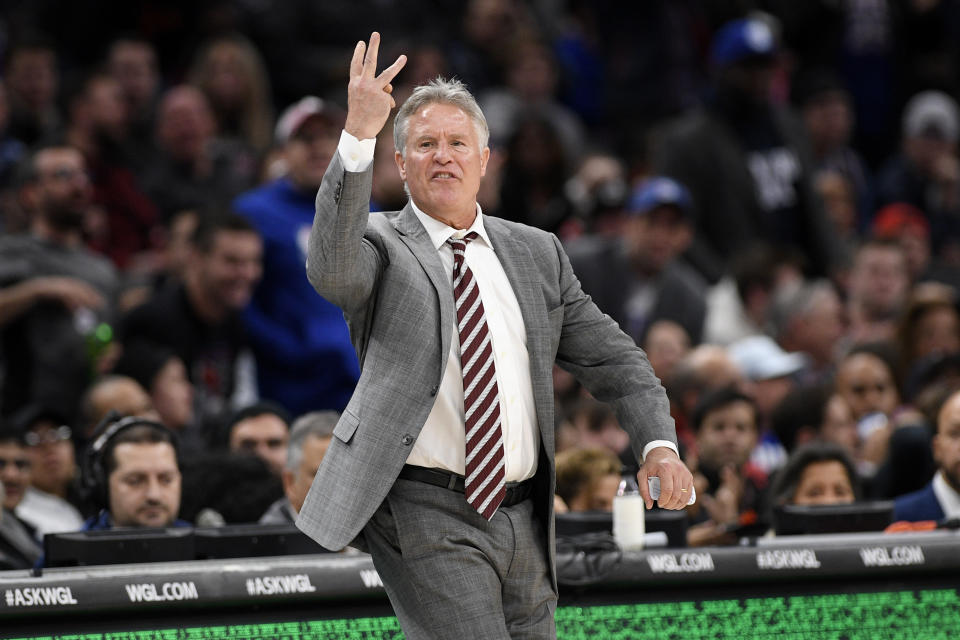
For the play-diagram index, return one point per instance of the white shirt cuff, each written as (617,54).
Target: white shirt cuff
(653,444)
(355,155)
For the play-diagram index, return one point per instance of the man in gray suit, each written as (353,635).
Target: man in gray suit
(463,541)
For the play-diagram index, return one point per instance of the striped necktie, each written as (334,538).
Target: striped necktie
(484,486)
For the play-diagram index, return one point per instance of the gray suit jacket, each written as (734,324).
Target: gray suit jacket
(385,274)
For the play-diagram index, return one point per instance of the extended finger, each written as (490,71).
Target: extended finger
(370,62)
(356,63)
(388,74)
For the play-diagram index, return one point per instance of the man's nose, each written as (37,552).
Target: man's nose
(442,153)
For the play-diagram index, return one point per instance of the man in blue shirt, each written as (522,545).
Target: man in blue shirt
(305,360)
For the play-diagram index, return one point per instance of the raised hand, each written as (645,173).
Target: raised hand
(368,95)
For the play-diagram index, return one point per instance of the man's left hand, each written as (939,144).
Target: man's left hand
(676,481)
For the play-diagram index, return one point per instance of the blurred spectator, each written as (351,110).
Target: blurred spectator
(54,293)
(116,393)
(817,473)
(746,161)
(637,278)
(739,304)
(534,174)
(940,499)
(199,318)
(263,430)
(597,191)
(531,81)
(305,359)
(12,152)
(867,382)
(99,128)
(232,75)
(730,491)
(705,368)
(770,371)
(595,426)
(906,225)
(929,326)
(49,503)
(827,112)
(666,344)
(133,475)
(164,376)
(19,548)
(926,172)
(839,201)
(33,81)
(809,318)
(478,56)
(878,286)
(195,169)
(132,62)
(815,413)
(587,479)
(310,436)
(228,488)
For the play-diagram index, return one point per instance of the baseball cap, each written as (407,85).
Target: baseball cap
(658,192)
(760,358)
(932,114)
(739,40)
(294,116)
(898,217)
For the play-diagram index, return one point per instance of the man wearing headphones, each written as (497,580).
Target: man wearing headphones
(132,472)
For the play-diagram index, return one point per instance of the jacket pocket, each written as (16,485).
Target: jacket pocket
(346,427)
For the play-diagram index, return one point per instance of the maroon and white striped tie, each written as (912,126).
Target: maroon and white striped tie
(484,472)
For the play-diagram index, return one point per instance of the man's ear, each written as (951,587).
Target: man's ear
(288,480)
(401,165)
(484,158)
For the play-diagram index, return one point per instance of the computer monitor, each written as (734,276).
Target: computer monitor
(673,523)
(794,519)
(251,540)
(118,546)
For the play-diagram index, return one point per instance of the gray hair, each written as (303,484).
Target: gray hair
(439,90)
(318,424)
(794,301)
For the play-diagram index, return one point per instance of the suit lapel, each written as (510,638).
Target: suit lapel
(418,241)
(523,274)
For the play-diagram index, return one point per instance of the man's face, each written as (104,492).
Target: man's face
(658,236)
(297,483)
(134,65)
(309,150)
(52,456)
(822,326)
(145,486)
(443,162)
(32,77)
(728,435)
(838,426)
(14,473)
(265,436)
(231,268)
(107,107)
(597,495)
(62,186)
(185,124)
(824,482)
(866,383)
(879,281)
(946,443)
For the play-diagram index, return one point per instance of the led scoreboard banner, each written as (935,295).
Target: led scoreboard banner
(851,586)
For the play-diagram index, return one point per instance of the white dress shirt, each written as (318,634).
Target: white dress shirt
(441,442)
(947,496)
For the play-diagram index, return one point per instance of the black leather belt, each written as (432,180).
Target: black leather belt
(515,492)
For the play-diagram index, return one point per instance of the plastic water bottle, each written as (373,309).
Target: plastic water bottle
(628,512)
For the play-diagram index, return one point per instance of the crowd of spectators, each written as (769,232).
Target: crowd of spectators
(764,194)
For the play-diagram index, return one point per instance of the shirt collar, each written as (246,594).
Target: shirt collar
(440,232)
(948,497)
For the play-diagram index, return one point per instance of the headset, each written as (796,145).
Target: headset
(93,473)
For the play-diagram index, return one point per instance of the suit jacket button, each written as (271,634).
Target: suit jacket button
(406,439)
